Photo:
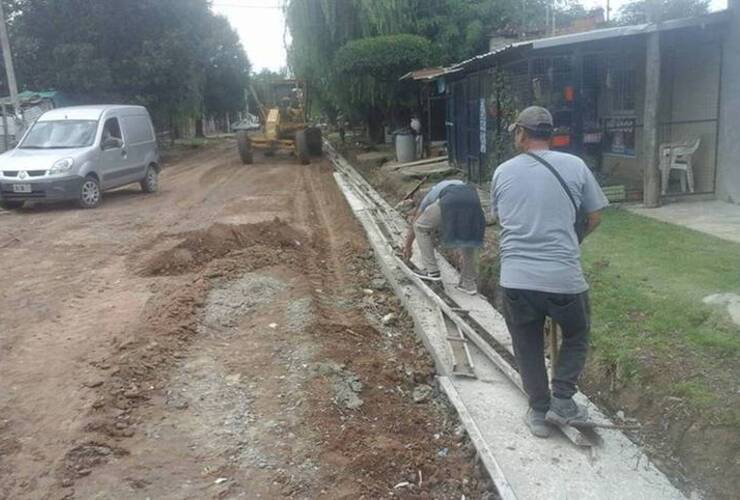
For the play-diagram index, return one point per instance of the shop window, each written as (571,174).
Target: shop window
(620,84)
(619,126)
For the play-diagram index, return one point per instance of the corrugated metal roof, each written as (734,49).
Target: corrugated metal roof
(28,96)
(493,53)
(594,35)
(427,74)
(624,31)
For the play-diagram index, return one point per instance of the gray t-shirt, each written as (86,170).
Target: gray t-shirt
(538,245)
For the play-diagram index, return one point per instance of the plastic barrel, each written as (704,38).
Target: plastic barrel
(405,147)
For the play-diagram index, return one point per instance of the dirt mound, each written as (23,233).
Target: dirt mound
(136,371)
(217,241)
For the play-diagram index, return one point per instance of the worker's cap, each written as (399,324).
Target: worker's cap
(533,118)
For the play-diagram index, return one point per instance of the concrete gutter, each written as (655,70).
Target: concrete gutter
(491,407)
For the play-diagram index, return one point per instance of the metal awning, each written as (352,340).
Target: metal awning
(428,74)
(591,36)
(625,31)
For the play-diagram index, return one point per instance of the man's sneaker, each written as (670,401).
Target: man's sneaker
(469,291)
(537,424)
(429,276)
(566,412)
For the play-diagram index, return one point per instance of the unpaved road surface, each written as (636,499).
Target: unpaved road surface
(220,339)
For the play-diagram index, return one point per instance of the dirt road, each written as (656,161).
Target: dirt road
(221,339)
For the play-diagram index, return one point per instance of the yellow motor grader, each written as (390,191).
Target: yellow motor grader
(283,125)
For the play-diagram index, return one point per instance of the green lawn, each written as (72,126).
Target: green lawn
(648,280)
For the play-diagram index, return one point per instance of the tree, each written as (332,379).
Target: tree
(173,56)
(643,11)
(454,29)
(228,73)
(372,67)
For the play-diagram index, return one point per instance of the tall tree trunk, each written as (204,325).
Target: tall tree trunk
(375,131)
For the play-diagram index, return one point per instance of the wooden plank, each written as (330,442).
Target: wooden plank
(463,362)
(426,161)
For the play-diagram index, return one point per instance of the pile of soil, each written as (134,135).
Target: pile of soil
(200,247)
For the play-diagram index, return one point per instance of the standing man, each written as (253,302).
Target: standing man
(452,209)
(418,137)
(541,271)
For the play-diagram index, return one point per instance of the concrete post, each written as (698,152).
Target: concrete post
(8,58)
(651,176)
(728,161)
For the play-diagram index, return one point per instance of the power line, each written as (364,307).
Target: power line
(231,4)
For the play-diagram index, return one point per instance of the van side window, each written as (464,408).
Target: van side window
(112,129)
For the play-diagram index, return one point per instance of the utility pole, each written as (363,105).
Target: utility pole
(8,58)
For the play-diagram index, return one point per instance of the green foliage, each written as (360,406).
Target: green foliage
(372,66)
(455,29)
(228,71)
(384,57)
(643,11)
(174,56)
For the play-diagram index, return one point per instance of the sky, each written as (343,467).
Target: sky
(260,25)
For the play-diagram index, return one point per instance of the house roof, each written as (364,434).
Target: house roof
(427,74)
(31,97)
(590,36)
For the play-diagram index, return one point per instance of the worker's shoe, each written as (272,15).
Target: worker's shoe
(429,275)
(566,412)
(467,290)
(537,424)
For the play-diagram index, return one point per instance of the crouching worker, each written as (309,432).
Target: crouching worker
(451,210)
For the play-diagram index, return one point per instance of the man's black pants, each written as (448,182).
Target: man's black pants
(525,312)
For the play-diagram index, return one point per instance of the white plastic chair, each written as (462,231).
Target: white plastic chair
(677,156)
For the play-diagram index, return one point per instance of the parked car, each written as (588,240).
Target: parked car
(251,122)
(77,153)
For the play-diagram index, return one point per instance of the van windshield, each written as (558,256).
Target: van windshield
(62,134)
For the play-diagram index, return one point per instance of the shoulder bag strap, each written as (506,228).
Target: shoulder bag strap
(557,176)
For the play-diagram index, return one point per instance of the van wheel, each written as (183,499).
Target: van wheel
(90,195)
(11,205)
(150,183)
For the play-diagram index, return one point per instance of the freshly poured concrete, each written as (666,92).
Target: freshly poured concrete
(492,408)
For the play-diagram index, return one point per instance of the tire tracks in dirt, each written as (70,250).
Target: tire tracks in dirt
(217,377)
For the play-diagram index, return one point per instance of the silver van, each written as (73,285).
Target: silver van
(77,153)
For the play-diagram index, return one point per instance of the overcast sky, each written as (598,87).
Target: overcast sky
(260,25)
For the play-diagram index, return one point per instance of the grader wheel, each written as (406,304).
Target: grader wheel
(301,148)
(245,147)
(313,138)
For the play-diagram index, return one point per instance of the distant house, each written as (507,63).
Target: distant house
(595,84)
(33,104)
